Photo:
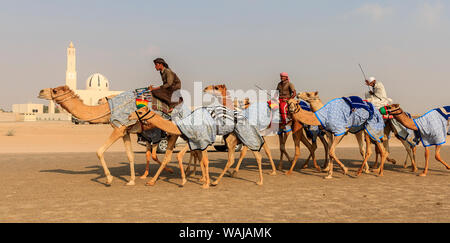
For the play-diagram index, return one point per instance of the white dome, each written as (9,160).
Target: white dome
(97,82)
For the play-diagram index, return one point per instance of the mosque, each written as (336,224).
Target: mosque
(97,87)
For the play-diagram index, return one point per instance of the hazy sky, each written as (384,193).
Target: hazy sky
(404,43)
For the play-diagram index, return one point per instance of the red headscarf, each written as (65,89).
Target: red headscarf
(283,74)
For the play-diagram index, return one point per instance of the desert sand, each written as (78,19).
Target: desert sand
(49,172)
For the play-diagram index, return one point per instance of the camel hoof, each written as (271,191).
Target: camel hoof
(345,171)
(328,177)
(169,170)
(205,186)
(259,183)
(215,183)
(393,161)
(423,175)
(273,173)
(130,183)
(183,182)
(288,173)
(109,180)
(318,169)
(150,183)
(233,173)
(143,177)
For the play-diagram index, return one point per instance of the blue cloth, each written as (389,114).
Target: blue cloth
(432,128)
(202,126)
(312,132)
(121,107)
(338,117)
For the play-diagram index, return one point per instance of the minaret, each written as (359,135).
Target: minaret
(71,73)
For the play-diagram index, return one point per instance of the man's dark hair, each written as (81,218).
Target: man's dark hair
(161,61)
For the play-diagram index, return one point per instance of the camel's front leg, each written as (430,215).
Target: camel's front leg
(367,155)
(333,156)
(168,156)
(410,152)
(231,146)
(384,155)
(241,157)
(427,158)
(326,150)
(180,156)
(116,134)
(258,160)
(269,155)
(205,161)
(147,160)
(130,155)
(362,147)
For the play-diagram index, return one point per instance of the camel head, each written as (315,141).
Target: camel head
(143,115)
(293,106)
(308,96)
(217,90)
(56,94)
(393,109)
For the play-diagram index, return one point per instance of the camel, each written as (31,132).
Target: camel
(409,123)
(99,114)
(309,118)
(152,120)
(298,135)
(314,100)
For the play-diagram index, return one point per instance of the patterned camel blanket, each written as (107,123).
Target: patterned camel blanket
(127,102)
(203,124)
(338,117)
(432,127)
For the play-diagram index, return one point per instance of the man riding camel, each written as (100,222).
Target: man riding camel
(286,91)
(377,96)
(169,91)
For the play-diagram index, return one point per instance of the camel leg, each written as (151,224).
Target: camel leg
(325,147)
(241,157)
(180,156)
(167,157)
(438,156)
(427,158)
(411,154)
(115,135)
(269,155)
(360,138)
(205,161)
(384,155)
(231,145)
(333,156)
(130,155)
(283,138)
(367,155)
(147,160)
(155,157)
(258,160)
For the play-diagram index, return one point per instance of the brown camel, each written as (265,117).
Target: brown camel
(151,120)
(298,135)
(409,123)
(99,114)
(309,118)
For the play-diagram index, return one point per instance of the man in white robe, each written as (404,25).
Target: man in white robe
(377,96)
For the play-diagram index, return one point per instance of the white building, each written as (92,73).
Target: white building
(97,85)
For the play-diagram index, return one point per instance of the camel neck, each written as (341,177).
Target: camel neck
(165,125)
(77,108)
(406,121)
(306,117)
(315,104)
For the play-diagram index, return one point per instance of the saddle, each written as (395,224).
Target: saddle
(356,102)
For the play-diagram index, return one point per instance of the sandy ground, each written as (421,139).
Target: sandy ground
(49,173)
